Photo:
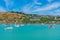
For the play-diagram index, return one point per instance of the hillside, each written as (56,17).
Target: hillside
(9,17)
(22,18)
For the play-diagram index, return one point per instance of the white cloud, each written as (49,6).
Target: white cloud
(50,1)
(50,12)
(38,3)
(9,3)
(28,7)
(48,7)
(16,10)
(44,10)
(2,9)
(56,12)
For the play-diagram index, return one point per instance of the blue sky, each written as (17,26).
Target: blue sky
(43,7)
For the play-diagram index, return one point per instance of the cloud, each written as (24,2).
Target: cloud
(2,9)
(9,3)
(36,2)
(48,7)
(16,10)
(28,7)
(49,1)
(56,12)
(50,12)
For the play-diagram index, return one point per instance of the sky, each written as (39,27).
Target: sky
(41,7)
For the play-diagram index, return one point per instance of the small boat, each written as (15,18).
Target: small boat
(51,26)
(42,23)
(8,28)
(16,25)
(22,25)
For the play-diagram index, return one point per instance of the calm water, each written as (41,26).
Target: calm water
(30,32)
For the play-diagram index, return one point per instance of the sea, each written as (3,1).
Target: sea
(29,32)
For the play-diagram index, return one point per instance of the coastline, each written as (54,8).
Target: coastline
(22,18)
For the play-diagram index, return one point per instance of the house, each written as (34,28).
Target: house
(35,18)
(57,18)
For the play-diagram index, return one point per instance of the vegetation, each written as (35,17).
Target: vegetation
(22,18)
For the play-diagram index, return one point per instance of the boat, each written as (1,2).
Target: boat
(16,25)
(8,28)
(51,26)
(22,25)
(42,23)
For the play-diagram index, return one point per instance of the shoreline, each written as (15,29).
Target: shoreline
(22,18)
(33,23)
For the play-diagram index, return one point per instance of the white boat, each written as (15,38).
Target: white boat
(16,25)
(42,23)
(8,28)
(22,25)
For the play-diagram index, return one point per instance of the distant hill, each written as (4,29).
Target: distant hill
(21,18)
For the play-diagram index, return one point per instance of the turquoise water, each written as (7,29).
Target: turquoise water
(30,32)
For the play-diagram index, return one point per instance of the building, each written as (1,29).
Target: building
(57,18)
(35,18)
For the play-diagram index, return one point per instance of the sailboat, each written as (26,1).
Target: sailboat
(52,24)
